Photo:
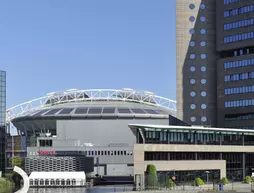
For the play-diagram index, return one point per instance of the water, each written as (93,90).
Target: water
(96,189)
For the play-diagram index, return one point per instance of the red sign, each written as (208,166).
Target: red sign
(47,152)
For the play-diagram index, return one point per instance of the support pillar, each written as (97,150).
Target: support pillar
(243,167)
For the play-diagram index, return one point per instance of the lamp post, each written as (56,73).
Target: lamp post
(207,176)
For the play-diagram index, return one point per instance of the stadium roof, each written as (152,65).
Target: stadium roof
(75,95)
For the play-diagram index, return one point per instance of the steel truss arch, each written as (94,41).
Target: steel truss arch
(75,95)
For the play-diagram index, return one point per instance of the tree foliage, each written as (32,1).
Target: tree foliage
(16,161)
(152,179)
(198,182)
(5,185)
(171,183)
(224,181)
(247,179)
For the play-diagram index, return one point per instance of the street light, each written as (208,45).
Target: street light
(207,176)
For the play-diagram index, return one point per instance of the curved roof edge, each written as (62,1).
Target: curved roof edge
(76,95)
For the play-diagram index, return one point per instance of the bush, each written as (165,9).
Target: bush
(247,179)
(152,180)
(171,183)
(224,181)
(5,185)
(198,182)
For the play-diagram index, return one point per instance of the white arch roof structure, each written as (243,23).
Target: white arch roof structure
(76,95)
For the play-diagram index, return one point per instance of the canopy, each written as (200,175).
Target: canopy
(57,175)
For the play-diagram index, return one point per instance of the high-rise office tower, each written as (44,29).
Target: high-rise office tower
(215,62)
(2,119)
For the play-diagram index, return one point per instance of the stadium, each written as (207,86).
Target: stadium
(93,121)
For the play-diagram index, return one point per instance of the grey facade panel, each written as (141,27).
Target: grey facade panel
(102,132)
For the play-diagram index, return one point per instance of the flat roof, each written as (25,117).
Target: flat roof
(192,128)
(57,175)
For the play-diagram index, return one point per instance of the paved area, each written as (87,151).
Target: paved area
(235,187)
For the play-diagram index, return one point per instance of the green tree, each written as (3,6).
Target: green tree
(247,179)
(16,161)
(171,183)
(198,182)
(224,181)
(152,179)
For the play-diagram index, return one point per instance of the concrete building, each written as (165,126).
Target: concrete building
(93,121)
(215,58)
(2,119)
(187,152)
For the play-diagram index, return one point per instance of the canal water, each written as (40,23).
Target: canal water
(96,189)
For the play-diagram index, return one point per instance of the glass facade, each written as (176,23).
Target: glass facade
(196,137)
(2,119)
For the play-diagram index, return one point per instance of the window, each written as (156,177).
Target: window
(192,31)
(237,77)
(203,106)
(230,1)
(239,63)
(202,6)
(193,93)
(238,11)
(239,37)
(192,81)
(192,43)
(192,68)
(193,106)
(193,119)
(239,24)
(239,90)
(192,6)
(192,56)
(202,18)
(203,81)
(192,18)
(239,103)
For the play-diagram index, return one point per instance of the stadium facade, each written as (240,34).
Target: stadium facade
(94,122)
(2,119)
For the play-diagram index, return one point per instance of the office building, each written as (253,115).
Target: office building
(215,58)
(2,119)
(187,152)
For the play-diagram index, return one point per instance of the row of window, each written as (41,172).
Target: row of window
(52,182)
(239,63)
(238,24)
(96,153)
(239,117)
(239,11)
(240,76)
(230,1)
(239,90)
(246,127)
(239,37)
(189,137)
(239,103)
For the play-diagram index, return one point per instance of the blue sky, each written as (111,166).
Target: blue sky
(48,46)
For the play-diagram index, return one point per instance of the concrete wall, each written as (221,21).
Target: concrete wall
(140,164)
(184,62)
(102,132)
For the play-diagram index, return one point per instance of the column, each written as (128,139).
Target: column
(243,167)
